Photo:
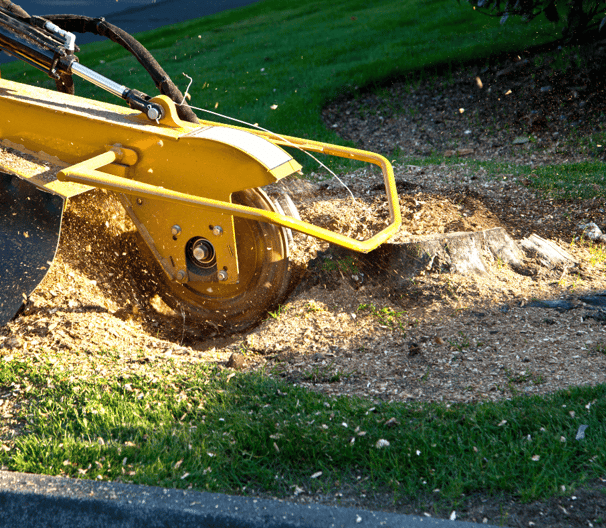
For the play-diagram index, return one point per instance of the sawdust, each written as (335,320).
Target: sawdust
(442,337)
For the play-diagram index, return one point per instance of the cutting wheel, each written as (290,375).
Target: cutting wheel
(264,275)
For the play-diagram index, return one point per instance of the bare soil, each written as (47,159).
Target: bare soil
(347,329)
(550,97)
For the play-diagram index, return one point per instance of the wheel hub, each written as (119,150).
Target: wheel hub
(264,274)
(201,253)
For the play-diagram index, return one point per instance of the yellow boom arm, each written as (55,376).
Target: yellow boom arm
(169,172)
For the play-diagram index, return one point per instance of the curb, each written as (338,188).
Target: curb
(28,501)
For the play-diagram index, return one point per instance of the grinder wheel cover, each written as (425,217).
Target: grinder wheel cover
(264,275)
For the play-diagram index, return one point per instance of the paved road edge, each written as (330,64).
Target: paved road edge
(34,501)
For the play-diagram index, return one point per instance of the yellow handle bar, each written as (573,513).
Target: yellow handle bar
(86,173)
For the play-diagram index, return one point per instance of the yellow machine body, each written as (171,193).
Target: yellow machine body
(176,178)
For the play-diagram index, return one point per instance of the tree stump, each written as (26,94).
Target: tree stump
(547,253)
(404,257)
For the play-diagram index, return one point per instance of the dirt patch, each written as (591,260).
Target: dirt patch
(521,106)
(348,328)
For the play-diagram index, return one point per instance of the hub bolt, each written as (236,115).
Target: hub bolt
(175,230)
(201,253)
(217,230)
(222,275)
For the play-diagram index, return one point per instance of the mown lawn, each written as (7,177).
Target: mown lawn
(227,433)
(205,428)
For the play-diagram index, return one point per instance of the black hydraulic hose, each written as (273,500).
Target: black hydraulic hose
(98,26)
(21,39)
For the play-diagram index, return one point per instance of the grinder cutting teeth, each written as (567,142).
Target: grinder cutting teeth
(193,188)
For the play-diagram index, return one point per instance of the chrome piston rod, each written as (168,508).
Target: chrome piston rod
(99,80)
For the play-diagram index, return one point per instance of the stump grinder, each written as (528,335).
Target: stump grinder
(192,188)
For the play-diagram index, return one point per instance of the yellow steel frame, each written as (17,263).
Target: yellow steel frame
(171,172)
(87,173)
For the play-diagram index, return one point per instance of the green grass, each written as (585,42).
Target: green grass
(233,433)
(299,56)
(597,254)
(386,316)
(571,180)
